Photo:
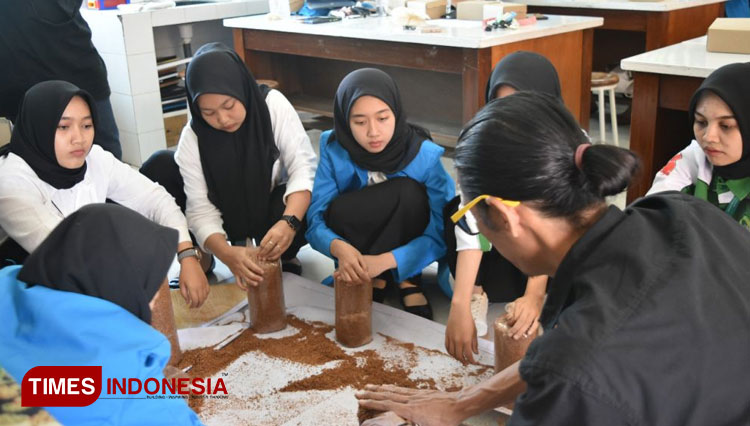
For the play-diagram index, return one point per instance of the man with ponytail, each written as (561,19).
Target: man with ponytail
(646,320)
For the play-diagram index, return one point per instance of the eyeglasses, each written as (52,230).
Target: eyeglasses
(459,217)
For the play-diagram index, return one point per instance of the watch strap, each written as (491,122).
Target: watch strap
(292,221)
(189,252)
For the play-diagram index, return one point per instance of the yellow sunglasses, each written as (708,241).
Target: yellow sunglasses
(459,217)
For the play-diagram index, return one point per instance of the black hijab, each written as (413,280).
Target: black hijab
(732,84)
(407,138)
(105,251)
(524,71)
(237,166)
(33,137)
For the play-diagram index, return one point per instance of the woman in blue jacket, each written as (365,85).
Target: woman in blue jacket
(379,191)
(82,298)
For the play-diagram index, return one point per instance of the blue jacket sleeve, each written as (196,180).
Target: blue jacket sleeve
(42,326)
(325,189)
(414,256)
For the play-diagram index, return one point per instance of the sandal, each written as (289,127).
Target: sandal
(424,311)
(378,294)
(292,265)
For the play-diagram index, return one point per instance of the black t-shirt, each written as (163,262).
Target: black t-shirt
(647,322)
(46,40)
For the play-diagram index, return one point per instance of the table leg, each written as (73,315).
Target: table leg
(477,65)
(587,54)
(643,130)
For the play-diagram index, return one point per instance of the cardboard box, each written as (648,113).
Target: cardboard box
(520,9)
(433,8)
(729,35)
(473,10)
(173,128)
(470,9)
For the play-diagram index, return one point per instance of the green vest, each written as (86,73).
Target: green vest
(738,207)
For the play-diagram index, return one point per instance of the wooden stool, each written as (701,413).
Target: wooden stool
(601,82)
(272,84)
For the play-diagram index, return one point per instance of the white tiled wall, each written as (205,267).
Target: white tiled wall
(139,37)
(142,73)
(117,72)
(128,46)
(148,114)
(171,16)
(256,7)
(197,13)
(151,142)
(131,152)
(106,30)
(231,9)
(122,105)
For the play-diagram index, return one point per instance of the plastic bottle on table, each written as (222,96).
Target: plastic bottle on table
(353,312)
(162,319)
(266,300)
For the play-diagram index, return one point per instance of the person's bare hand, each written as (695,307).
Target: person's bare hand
(276,241)
(424,407)
(352,266)
(242,264)
(461,334)
(378,264)
(524,318)
(193,283)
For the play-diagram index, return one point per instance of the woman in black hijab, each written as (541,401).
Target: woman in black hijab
(716,166)
(105,251)
(83,298)
(478,269)
(51,168)
(379,191)
(244,165)
(521,72)
(37,124)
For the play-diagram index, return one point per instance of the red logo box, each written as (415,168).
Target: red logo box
(61,386)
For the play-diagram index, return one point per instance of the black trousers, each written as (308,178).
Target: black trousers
(162,169)
(379,218)
(501,280)
(11,253)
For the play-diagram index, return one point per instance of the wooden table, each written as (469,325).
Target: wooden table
(665,80)
(633,27)
(441,76)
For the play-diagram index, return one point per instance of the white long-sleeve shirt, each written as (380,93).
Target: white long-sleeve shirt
(683,170)
(295,166)
(31,208)
(465,241)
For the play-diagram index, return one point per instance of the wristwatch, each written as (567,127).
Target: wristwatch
(189,252)
(292,221)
